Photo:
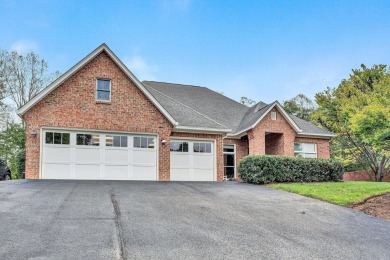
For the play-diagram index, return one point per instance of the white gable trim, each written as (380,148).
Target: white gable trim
(78,66)
(281,110)
(193,129)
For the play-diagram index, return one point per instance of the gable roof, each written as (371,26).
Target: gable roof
(208,104)
(256,113)
(194,106)
(102,48)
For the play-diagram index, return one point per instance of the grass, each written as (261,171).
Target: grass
(341,193)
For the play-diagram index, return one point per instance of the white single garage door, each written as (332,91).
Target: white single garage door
(192,160)
(98,156)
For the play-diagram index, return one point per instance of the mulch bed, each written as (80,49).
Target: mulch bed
(378,206)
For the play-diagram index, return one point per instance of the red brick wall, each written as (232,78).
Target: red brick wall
(323,149)
(73,105)
(274,144)
(280,125)
(219,148)
(362,176)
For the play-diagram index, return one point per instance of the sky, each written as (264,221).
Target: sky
(264,50)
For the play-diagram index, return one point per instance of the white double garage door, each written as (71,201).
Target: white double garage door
(76,154)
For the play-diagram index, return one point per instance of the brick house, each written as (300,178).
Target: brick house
(98,121)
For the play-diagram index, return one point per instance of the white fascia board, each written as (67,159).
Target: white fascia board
(315,135)
(233,136)
(78,66)
(285,115)
(201,130)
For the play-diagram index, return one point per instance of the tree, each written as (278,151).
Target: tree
(358,110)
(22,77)
(5,115)
(300,106)
(247,101)
(12,142)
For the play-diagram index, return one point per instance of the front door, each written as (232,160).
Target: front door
(229,161)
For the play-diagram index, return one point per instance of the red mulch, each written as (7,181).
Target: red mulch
(378,206)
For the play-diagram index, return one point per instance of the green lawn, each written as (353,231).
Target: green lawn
(341,193)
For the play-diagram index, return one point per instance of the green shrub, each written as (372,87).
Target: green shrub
(263,169)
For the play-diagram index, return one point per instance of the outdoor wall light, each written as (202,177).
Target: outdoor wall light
(34,133)
(163,141)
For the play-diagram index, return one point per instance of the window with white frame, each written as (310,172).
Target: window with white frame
(116,141)
(305,150)
(181,147)
(88,139)
(57,138)
(229,161)
(202,147)
(103,89)
(143,142)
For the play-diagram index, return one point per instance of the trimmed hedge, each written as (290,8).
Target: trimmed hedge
(263,169)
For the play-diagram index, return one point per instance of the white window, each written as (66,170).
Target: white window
(202,147)
(88,139)
(144,142)
(305,150)
(116,141)
(103,89)
(181,147)
(57,138)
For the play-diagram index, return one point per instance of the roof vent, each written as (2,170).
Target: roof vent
(273,115)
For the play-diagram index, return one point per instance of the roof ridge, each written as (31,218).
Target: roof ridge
(228,98)
(173,83)
(179,84)
(187,107)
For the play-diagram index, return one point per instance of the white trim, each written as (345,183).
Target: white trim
(87,130)
(238,137)
(78,66)
(235,158)
(281,110)
(194,129)
(314,135)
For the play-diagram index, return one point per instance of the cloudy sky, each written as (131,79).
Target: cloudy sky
(265,50)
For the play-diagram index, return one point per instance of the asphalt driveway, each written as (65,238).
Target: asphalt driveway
(179,220)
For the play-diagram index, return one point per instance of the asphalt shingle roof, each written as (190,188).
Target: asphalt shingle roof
(196,106)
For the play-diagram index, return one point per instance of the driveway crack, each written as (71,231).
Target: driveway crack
(118,225)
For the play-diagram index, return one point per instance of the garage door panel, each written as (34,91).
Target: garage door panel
(144,157)
(56,171)
(203,161)
(180,174)
(87,171)
(78,158)
(117,156)
(116,172)
(144,173)
(193,164)
(179,160)
(87,155)
(57,154)
(203,175)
